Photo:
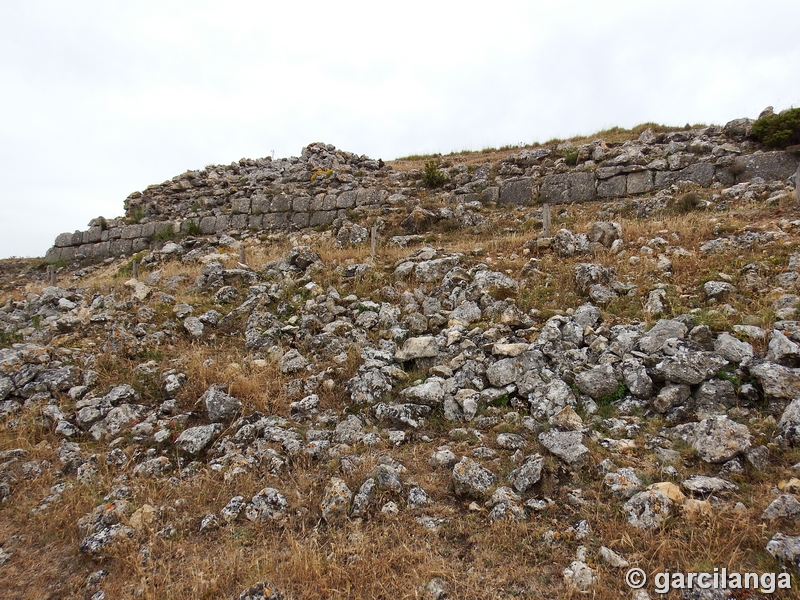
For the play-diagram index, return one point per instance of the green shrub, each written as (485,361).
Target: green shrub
(7,338)
(165,233)
(571,157)
(621,392)
(136,216)
(433,177)
(779,131)
(193,228)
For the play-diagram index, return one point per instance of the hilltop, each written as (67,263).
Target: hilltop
(337,377)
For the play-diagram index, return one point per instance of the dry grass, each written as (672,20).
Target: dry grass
(395,557)
(612,136)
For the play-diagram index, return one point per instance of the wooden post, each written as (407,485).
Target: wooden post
(374,240)
(545,220)
(797,183)
(242,257)
(135,269)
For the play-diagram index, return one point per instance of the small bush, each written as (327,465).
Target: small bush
(779,131)
(9,338)
(432,176)
(621,392)
(165,233)
(193,228)
(136,216)
(571,157)
(687,203)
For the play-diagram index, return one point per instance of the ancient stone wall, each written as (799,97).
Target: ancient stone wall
(325,184)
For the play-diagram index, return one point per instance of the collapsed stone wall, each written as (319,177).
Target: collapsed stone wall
(325,184)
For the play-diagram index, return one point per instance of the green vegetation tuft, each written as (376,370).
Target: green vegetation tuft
(622,391)
(780,130)
(432,176)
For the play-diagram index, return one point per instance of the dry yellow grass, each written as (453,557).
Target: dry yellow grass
(395,557)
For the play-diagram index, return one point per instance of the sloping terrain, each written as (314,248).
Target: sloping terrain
(474,410)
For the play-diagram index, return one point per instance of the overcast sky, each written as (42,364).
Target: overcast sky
(100,99)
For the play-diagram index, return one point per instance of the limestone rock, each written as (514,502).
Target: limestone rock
(785,548)
(471,479)
(778,382)
(598,381)
(194,440)
(525,477)
(335,501)
(785,506)
(623,483)
(567,445)
(701,484)
(418,347)
(605,232)
(220,406)
(718,439)
(648,509)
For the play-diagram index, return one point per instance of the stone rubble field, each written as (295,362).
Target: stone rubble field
(475,410)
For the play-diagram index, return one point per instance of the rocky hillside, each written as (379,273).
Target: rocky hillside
(466,408)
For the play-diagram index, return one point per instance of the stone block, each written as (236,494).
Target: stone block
(223,224)
(316,202)
(329,202)
(114,233)
(567,188)
(63,240)
(640,182)
(490,194)
(140,244)
(208,225)
(92,235)
(322,218)
(346,199)
(608,172)
(241,205)
(615,187)
(471,197)
(300,219)
(268,220)
(700,173)
(104,235)
(370,197)
(280,203)
(255,222)
(239,221)
(260,205)
(149,229)
(68,253)
(130,232)
(518,193)
(84,251)
(770,166)
(102,250)
(185,225)
(77,238)
(301,204)
(53,254)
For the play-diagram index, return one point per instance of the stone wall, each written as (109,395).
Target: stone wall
(282,212)
(325,184)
